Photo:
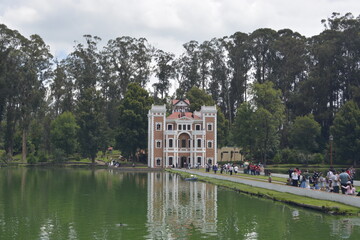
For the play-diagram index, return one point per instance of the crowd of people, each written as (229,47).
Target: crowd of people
(334,181)
(231,168)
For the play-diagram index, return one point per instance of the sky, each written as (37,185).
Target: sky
(166,24)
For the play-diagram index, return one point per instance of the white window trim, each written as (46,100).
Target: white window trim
(173,143)
(199,127)
(172,127)
(156,161)
(158,141)
(156,124)
(212,127)
(212,144)
(197,141)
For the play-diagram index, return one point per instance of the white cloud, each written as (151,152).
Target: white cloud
(167,24)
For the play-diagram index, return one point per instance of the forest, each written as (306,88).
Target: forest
(282,97)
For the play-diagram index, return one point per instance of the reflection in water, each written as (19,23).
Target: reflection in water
(295,214)
(46,229)
(344,227)
(175,208)
(81,204)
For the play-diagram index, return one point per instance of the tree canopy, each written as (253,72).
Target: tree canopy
(273,77)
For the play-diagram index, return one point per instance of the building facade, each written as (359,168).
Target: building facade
(183,138)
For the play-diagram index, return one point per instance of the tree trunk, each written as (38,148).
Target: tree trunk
(23,154)
(9,132)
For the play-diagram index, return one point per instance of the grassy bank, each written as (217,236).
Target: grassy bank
(311,203)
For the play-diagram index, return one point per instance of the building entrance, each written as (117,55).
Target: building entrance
(184,163)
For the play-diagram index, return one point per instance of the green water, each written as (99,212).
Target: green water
(103,204)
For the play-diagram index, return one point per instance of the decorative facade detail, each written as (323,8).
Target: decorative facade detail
(183,138)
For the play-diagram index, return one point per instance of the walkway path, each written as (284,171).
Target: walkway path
(341,198)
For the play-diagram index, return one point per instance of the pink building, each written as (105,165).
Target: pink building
(183,137)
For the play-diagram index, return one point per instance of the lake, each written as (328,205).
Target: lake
(73,203)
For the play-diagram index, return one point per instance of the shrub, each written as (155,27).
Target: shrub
(316,158)
(43,157)
(32,159)
(289,155)
(58,155)
(277,158)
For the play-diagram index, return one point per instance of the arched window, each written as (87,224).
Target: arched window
(183,143)
(158,162)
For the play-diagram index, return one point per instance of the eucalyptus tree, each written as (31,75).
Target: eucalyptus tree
(84,69)
(10,62)
(35,71)
(239,65)
(62,89)
(289,72)
(349,29)
(164,71)
(128,61)
(263,54)
(205,56)
(324,83)
(187,68)
(219,85)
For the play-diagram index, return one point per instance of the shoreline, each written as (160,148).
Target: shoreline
(84,165)
(253,188)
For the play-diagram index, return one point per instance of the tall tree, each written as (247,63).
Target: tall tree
(84,68)
(59,88)
(346,133)
(132,131)
(164,71)
(36,70)
(268,119)
(242,129)
(93,130)
(237,46)
(263,54)
(187,68)
(129,60)
(219,85)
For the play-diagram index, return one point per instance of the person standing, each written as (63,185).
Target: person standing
(215,168)
(294,178)
(231,169)
(344,178)
(335,182)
